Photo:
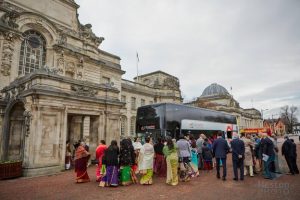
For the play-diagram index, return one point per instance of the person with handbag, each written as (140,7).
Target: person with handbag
(238,156)
(184,152)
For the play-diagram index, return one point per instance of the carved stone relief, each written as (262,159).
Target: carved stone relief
(60,65)
(79,71)
(62,39)
(70,67)
(87,34)
(12,7)
(27,119)
(48,135)
(7,53)
(83,90)
(171,83)
(9,19)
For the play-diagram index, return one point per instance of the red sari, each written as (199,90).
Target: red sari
(160,165)
(99,155)
(81,159)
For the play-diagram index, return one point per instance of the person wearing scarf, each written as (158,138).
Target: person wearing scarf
(81,161)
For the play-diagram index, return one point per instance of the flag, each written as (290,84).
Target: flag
(137,57)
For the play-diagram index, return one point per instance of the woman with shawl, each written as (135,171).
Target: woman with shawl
(145,162)
(81,160)
(194,156)
(171,153)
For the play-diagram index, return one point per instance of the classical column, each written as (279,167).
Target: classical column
(86,129)
(101,135)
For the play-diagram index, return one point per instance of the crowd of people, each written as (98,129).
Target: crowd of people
(182,160)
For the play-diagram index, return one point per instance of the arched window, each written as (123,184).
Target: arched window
(123,125)
(132,125)
(33,52)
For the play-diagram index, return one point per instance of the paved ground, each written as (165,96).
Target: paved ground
(62,186)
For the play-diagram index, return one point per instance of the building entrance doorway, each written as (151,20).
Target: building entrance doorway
(16,133)
(84,128)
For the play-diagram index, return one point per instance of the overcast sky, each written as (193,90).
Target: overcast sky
(252,46)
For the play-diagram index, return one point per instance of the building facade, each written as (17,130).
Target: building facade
(58,85)
(216,97)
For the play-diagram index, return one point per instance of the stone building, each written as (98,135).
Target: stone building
(216,97)
(155,87)
(57,84)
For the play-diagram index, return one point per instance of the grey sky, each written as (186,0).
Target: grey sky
(252,46)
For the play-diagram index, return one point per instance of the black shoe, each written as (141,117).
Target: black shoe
(242,179)
(218,176)
(224,178)
(235,179)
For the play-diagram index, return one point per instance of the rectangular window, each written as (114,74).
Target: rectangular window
(133,103)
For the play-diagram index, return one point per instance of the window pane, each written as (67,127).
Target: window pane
(32,52)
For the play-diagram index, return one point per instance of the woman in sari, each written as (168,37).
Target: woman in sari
(111,163)
(137,145)
(99,155)
(145,163)
(159,160)
(171,154)
(127,160)
(81,159)
(194,156)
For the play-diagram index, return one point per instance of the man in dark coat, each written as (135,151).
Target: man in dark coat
(220,150)
(238,155)
(268,156)
(289,151)
(294,158)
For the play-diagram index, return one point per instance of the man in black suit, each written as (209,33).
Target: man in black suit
(289,151)
(294,158)
(238,156)
(220,150)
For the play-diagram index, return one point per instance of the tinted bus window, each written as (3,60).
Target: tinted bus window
(150,120)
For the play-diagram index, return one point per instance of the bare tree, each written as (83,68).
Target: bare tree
(288,114)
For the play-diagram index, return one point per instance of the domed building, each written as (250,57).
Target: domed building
(216,97)
(214,90)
